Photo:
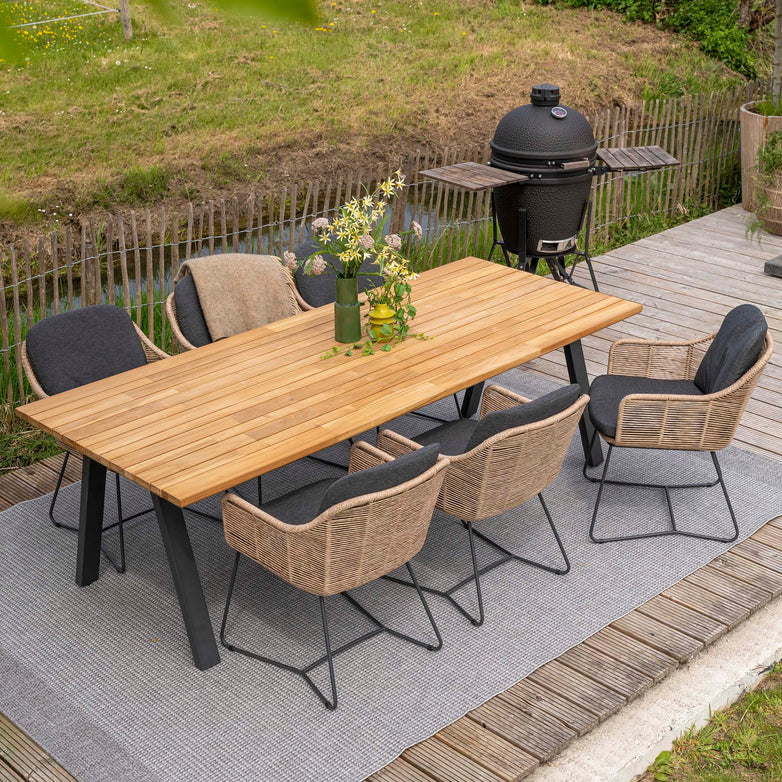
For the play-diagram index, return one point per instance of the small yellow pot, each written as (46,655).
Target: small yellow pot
(380,315)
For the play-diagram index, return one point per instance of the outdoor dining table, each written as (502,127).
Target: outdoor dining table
(201,422)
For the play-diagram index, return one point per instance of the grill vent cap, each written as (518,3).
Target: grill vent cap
(545,95)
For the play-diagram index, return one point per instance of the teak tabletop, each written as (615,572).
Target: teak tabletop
(200,422)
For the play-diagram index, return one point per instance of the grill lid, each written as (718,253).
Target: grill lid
(540,132)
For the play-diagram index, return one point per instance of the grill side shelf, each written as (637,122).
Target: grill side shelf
(636,158)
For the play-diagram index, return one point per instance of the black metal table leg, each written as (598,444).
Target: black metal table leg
(472,397)
(93,490)
(577,371)
(187,583)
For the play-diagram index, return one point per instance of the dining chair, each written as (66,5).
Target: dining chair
(679,395)
(185,309)
(511,454)
(333,536)
(72,349)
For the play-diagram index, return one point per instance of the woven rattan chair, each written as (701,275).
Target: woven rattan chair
(328,549)
(115,327)
(679,395)
(501,472)
(198,334)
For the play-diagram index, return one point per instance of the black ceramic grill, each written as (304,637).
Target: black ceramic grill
(555,147)
(543,160)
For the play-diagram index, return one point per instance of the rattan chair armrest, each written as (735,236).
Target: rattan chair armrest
(305,307)
(363,455)
(174,323)
(395,444)
(498,398)
(30,373)
(661,359)
(151,350)
(255,514)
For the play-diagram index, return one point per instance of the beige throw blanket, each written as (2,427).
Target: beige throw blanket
(239,291)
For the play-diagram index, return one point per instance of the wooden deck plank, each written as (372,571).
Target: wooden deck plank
(749,572)
(721,609)
(659,636)
(526,694)
(534,731)
(25,757)
(614,674)
(444,764)
(587,693)
(7,774)
(399,770)
(491,751)
(646,659)
(684,619)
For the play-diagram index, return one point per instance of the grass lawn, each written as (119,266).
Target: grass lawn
(217,105)
(742,743)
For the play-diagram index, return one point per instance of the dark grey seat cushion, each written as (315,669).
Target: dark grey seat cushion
(300,505)
(734,350)
(382,477)
(189,314)
(607,392)
(303,505)
(462,435)
(453,436)
(81,346)
(319,289)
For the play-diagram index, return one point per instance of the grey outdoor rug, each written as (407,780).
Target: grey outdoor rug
(102,677)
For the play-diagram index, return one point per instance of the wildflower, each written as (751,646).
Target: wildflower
(366,241)
(318,265)
(320,222)
(290,259)
(394,241)
(417,230)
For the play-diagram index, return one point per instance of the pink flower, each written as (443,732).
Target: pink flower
(366,241)
(318,265)
(290,260)
(320,222)
(417,230)
(394,241)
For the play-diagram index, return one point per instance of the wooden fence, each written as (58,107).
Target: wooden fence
(130,259)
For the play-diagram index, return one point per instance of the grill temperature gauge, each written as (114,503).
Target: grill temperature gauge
(559,112)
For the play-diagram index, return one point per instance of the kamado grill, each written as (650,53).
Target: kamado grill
(543,158)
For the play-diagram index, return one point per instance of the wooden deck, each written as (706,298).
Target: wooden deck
(687,278)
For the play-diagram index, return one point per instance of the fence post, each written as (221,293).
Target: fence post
(124,17)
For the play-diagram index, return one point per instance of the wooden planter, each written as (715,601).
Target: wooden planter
(754,130)
(770,214)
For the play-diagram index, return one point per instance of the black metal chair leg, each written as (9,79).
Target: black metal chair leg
(118,566)
(448,593)
(675,529)
(332,704)
(304,673)
(372,618)
(560,571)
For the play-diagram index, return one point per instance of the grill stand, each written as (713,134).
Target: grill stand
(555,263)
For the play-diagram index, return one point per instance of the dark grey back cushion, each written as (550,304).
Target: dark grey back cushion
(737,346)
(535,410)
(189,314)
(81,346)
(319,289)
(382,477)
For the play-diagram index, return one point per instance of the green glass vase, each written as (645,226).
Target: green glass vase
(347,311)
